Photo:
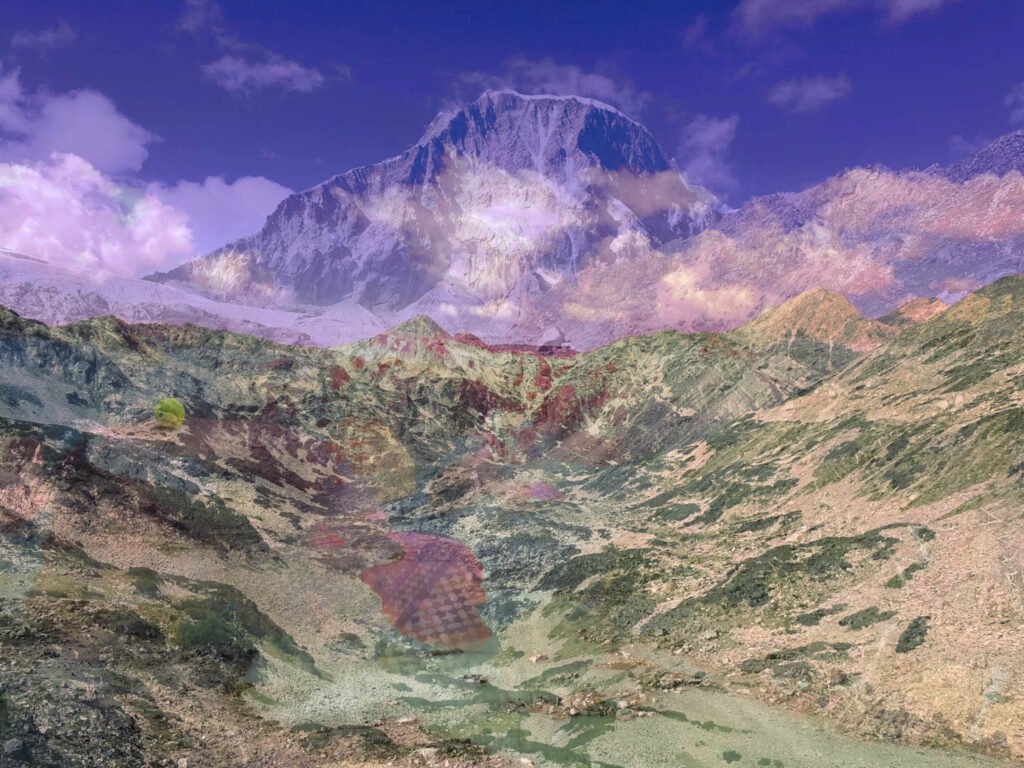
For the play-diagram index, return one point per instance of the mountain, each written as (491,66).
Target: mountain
(914,311)
(823,316)
(500,199)
(491,553)
(878,236)
(45,292)
(547,220)
(1000,157)
(522,217)
(893,492)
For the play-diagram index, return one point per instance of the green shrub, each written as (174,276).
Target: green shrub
(169,413)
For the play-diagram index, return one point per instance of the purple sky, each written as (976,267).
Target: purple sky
(210,112)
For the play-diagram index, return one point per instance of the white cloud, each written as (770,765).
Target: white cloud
(547,76)
(697,35)
(201,16)
(244,75)
(757,18)
(220,212)
(85,123)
(59,202)
(959,145)
(900,10)
(42,41)
(1015,101)
(248,67)
(810,94)
(704,152)
(65,211)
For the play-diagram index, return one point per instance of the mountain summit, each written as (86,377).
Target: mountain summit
(502,198)
(820,315)
(556,136)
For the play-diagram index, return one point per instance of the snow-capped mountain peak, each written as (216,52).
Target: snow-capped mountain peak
(497,199)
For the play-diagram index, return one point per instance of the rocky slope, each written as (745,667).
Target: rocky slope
(913,312)
(371,554)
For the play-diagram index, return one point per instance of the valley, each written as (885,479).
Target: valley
(795,541)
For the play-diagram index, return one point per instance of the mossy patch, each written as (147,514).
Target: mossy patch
(207,519)
(125,622)
(14,396)
(145,580)
(229,624)
(732,485)
(865,618)
(613,597)
(903,578)
(678,512)
(754,580)
(793,570)
(813,618)
(913,636)
(819,651)
(764,523)
(568,575)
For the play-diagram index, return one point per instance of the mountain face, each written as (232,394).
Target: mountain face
(522,218)
(914,311)
(880,237)
(543,220)
(1002,156)
(502,198)
(816,510)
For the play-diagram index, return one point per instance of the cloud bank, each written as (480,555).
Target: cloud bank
(810,94)
(704,152)
(70,195)
(219,211)
(84,122)
(67,212)
(759,18)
